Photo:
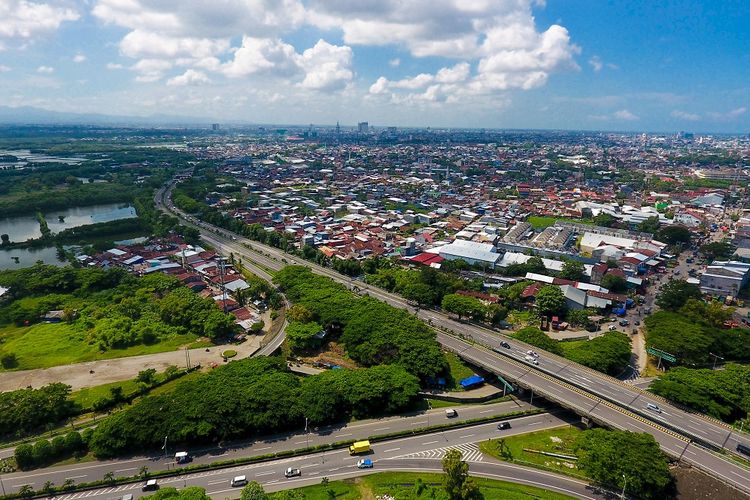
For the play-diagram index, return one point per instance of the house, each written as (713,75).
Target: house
(725,278)
(689,218)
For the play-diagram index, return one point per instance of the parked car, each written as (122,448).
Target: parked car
(238,481)
(150,485)
(624,322)
(503,425)
(291,472)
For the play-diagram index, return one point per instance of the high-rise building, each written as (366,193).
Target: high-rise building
(363,127)
(215,126)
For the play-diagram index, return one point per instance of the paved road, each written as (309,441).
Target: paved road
(89,471)
(418,453)
(549,377)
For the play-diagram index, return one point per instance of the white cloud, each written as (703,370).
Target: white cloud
(729,115)
(4,69)
(262,55)
(626,115)
(190,77)
(145,44)
(150,70)
(79,58)
(326,66)
(684,115)
(596,63)
(45,70)
(25,19)
(394,63)
(114,66)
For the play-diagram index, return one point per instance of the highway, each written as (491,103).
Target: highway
(417,453)
(584,390)
(91,471)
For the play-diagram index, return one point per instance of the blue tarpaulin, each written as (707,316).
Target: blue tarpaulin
(471,381)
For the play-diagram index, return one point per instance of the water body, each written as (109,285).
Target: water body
(82,216)
(27,257)
(26,227)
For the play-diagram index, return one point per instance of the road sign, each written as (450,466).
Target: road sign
(507,385)
(661,354)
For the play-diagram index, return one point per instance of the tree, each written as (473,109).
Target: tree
(607,456)
(573,270)
(9,360)
(674,234)
(456,482)
(614,283)
(463,306)
(303,335)
(299,313)
(675,293)
(604,219)
(26,491)
(42,452)
(580,317)
(608,353)
(550,300)
(24,455)
(537,338)
(650,225)
(422,294)
(147,377)
(5,239)
(109,477)
(717,249)
(253,491)
(74,443)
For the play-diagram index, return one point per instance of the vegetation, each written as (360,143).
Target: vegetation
(463,306)
(675,293)
(44,452)
(603,456)
(372,332)
(410,486)
(102,311)
(534,336)
(719,393)
(573,270)
(27,410)
(189,493)
(426,286)
(551,301)
(614,283)
(608,353)
(695,331)
(250,397)
(717,249)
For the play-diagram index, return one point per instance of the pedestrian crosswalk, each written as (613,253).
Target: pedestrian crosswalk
(470,453)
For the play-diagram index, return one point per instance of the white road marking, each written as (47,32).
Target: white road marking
(392,449)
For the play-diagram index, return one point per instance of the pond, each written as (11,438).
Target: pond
(25,227)
(81,216)
(27,257)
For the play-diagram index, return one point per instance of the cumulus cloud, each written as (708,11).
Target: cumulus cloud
(150,70)
(189,77)
(146,44)
(326,66)
(684,115)
(257,55)
(79,58)
(45,70)
(596,63)
(625,115)
(25,19)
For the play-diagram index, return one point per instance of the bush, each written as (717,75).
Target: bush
(8,361)
(229,353)
(24,455)
(43,452)
(536,337)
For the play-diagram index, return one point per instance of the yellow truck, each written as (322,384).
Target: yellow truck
(359,447)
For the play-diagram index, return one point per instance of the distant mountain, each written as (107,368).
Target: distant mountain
(27,115)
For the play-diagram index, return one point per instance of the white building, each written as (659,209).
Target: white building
(725,278)
(473,253)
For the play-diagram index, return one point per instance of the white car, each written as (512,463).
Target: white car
(290,472)
(531,359)
(238,481)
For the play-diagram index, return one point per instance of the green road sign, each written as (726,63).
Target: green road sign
(661,354)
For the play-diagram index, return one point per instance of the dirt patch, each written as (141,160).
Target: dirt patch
(692,484)
(332,353)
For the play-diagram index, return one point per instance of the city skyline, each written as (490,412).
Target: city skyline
(515,64)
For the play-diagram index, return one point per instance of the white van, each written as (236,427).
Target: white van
(181,457)
(653,407)
(238,481)
(450,413)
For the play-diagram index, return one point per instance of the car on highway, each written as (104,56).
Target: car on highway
(532,353)
(505,344)
(182,457)
(150,485)
(451,413)
(292,472)
(503,425)
(653,407)
(238,481)
(365,463)
(531,359)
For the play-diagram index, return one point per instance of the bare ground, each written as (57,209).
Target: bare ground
(693,484)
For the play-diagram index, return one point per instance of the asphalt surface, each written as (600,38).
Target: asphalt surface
(418,453)
(91,471)
(589,389)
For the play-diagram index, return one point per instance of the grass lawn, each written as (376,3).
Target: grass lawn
(559,440)
(402,485)
(53,344)
(88,396)
(571,345)
(459,370)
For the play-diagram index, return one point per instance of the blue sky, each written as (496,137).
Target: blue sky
(570,64)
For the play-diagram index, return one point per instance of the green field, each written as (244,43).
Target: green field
(542,222)
(45,345)
(403,485)
(558,441)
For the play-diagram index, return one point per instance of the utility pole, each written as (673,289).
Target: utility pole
(716,357)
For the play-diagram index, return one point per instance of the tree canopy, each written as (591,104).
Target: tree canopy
(536,337)
(551,300)
(675,293)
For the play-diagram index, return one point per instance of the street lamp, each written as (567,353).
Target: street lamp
(716,357)
(622,495)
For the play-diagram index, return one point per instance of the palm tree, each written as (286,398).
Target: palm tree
(26,491)
(109,477)
(143,472)
(47,488)
(68,484)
